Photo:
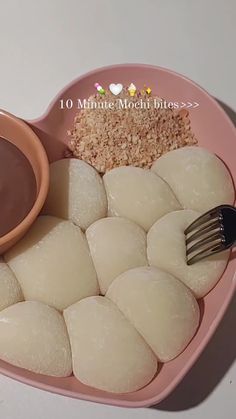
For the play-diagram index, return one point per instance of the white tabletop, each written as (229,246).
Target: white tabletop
(45,44)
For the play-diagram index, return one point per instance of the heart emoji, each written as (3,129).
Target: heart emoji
(115,88)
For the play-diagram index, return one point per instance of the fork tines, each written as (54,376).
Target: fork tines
(205,236)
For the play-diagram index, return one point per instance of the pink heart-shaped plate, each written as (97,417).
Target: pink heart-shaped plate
(215,132)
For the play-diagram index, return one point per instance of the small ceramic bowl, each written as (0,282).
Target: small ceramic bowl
(23,137)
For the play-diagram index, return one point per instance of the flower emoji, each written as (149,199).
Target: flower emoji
(100,89)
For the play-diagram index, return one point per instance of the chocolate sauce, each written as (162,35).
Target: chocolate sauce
(18,188)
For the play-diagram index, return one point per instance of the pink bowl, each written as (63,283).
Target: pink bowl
(215,132)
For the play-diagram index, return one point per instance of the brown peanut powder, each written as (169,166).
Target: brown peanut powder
(113,137)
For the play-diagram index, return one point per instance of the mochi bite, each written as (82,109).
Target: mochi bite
(116,245)
(139,195)
(199,179)
(10,290)
(107,352)
(34,336)
(166,249)
(76,193)
(53,264)
(161,308)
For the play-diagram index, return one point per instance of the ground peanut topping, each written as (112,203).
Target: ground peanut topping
(132,131)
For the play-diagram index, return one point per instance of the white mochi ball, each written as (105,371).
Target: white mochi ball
(139,195)
(199,179)
(34,336)
(116,245)
(53,264)
(167,250)
(107,352)
(76,193)
(161,308)
(10,291)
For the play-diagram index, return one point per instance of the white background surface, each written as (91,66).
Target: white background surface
(45,44)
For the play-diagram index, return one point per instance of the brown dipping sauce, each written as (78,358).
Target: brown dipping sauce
(18,189)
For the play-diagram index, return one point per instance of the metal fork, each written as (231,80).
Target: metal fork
(211,233)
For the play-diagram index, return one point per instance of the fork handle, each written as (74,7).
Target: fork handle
(229,222)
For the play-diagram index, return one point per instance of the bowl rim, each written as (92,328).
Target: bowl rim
(42,187)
